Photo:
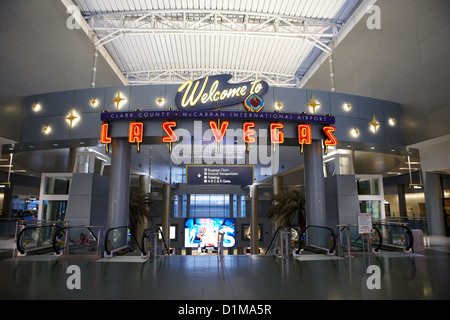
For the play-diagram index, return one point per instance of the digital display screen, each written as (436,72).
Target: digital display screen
(204,232)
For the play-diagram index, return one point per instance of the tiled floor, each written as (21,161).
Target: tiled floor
(402,276)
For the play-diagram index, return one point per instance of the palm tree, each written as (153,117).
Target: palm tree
(139,211)
(286,206)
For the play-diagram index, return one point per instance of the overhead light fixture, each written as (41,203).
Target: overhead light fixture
(160,101)
(374,124)
(94,103)
(118,99)
(392,121)
(347,106)
(354,132)
(278,106)
(46,129)
(36,107)
(313,104)
(73,118)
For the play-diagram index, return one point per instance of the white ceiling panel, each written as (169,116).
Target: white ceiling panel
(277,39)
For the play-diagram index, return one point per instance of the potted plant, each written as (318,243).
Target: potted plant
(287,206)
(139,211)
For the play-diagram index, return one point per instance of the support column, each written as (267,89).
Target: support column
(277,189)
(119,184)
(144,186)
(314,184)
(166,213)
(254,241)
(402,201)
(433,203)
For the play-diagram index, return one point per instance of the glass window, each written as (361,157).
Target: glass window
(371,206)
(210,205)
(54,210)
(57,185)
(368,186)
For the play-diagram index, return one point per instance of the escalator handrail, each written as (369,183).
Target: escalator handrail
(408,232)
(56,248)
(145,234)
(19,236)
(274,237)
(132,234)
(333,234)
(378,248)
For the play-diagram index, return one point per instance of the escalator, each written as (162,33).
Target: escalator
(121,241)
(351,241)
(316,240)
(386,236)
(313,240)
(37,239)
(153,240)
(78,241)
(396,236)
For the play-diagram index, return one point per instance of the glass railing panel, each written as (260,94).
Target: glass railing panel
(153,242)
(357,241)
(35,238)
(81,240)
(319,237)
(396,235)
(117,238)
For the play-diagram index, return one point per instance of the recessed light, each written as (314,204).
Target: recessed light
(36,107)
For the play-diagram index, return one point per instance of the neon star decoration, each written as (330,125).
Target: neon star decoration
(94,102)
(313,104)
(355,132)
(160,101)
(72,118)
(47,129)
(36,107)
(375,124)
(278,106)
(118,99)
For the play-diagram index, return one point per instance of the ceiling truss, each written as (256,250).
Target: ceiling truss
(109,27)
(175,76)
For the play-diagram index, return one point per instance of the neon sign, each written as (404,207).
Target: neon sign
(104,138)
(216,92)
(136,132)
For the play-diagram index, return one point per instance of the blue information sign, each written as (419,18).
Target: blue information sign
(219,175)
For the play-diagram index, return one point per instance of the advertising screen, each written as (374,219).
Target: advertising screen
(204,232)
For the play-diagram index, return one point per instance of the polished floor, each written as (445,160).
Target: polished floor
(243,277)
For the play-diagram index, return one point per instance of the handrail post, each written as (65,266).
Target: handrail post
(281,243)
(286,239)
(99,244)
(220,243)
(66,243)
(15,238)
(155,244)
(349,256)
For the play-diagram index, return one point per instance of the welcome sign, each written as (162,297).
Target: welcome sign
(216,92)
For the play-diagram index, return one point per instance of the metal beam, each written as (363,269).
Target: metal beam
(89,32)
(176,76)
(112,25)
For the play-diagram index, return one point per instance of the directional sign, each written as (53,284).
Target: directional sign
(219,175)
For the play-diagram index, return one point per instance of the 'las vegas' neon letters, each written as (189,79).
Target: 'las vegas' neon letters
(136,132)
